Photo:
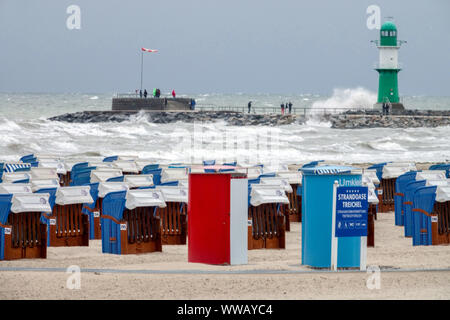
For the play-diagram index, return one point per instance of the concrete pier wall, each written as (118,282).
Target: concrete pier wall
(153,104)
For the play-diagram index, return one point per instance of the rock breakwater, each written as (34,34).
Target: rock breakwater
(379,121)
(347,120)
(231,117)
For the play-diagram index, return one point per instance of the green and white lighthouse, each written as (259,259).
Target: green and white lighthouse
(388,66)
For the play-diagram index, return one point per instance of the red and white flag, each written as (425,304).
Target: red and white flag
(148,50)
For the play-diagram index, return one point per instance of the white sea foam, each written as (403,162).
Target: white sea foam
(24,129)
(348,98)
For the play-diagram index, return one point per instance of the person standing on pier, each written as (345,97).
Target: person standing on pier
(145,93)
(249,106)
(282,108)
(290,107)
(140,93)
(173,94)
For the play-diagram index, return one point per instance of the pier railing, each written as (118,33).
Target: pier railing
(277,110)
(305,111)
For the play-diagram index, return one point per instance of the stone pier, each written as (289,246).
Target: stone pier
(151,104)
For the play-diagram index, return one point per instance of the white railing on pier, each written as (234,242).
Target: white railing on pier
(277,110)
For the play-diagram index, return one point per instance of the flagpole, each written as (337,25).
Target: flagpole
(142,66)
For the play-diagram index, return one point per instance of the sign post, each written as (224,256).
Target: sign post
(350,205)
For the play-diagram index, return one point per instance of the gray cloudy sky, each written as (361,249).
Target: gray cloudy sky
(250,46)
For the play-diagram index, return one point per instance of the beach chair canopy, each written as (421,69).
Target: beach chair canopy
(15,188)
(372,195)
(10,177)
(174,193)
(43,173)
(28,157)
(113,179)
(209,162)
(149,164)
(76,165)
(443,193)
(32,202)
(169,175)
(53,164)
(44,184)
(394,172)
(277,182)
(110,159)
(13,167)
(107,187)
(267,194)
(183,183)
(126,166)
(251,172)
(144,198)
(127,158)
(103,174)
(372,175)
(438,182)
(293,177)
(101,165)
(431,175)
(51,192)
(73,195)
(327,169)
(137,181)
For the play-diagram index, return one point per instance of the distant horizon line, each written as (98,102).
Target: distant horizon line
(210,93)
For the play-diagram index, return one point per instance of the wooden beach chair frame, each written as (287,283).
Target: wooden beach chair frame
(268,227)
(173,223)
(386,192)
(25,236)
(68,226)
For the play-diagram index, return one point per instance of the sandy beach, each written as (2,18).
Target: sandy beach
(270,274)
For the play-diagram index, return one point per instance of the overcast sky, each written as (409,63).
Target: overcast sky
(250,46)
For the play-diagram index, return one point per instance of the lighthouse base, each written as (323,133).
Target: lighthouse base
(396,107)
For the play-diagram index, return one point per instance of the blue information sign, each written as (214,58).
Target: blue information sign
(351,211)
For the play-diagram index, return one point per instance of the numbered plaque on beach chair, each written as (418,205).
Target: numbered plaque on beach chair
(267,218)
(130,224)
(174,215)
(22,234)
(68,225)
